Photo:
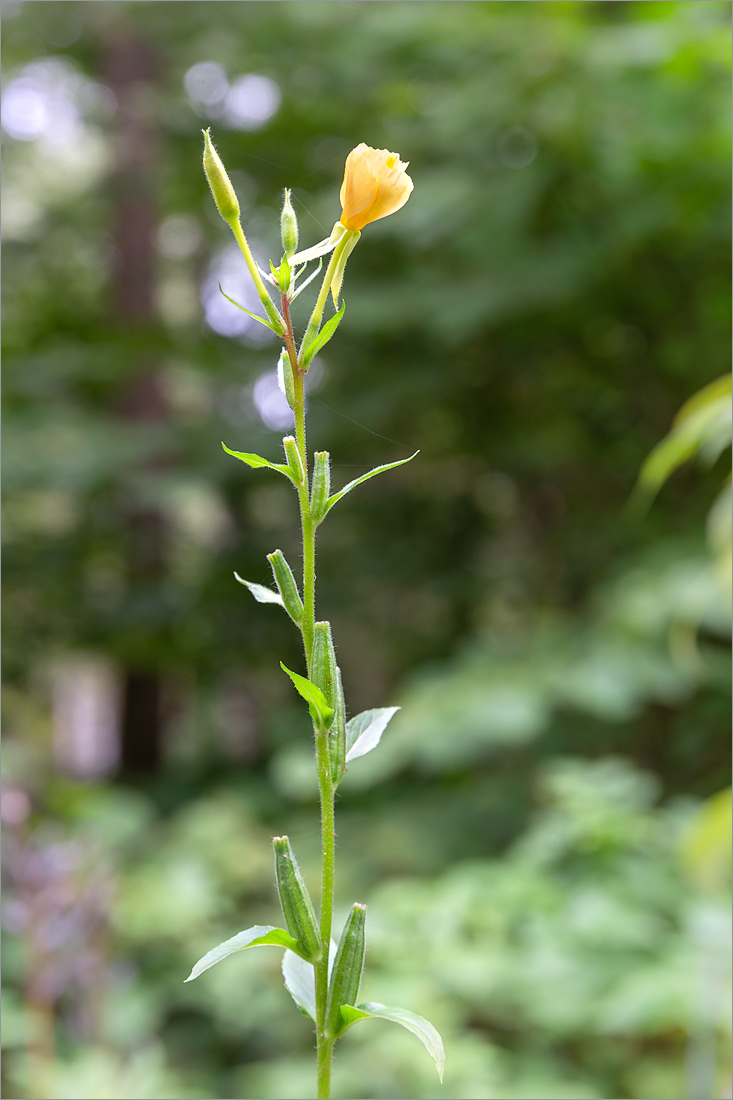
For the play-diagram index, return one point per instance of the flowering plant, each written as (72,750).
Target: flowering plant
(322,977)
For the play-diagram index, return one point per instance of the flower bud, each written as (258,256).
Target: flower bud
(321,484)
(292,454)
(324,671)
(287,587)
(221,187)
(295,900)
(348,967)
(375,184)
(285,378)
(288,226)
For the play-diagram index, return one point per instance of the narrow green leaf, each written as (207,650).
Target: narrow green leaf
(321,713)
(256,461)
(260,935)
(260,592)
(418,1025)
(262,320)
(320,341)
(365,477)
(364,731)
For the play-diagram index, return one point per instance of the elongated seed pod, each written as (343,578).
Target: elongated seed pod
(285,582)
(292,454)
(337,735)
(347,968)
(297,906)
(321,484)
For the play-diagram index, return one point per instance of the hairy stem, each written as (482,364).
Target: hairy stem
(323,763)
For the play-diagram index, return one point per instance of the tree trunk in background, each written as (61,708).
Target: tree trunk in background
(129,68)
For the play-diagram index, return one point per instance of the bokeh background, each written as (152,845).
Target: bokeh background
(542,835)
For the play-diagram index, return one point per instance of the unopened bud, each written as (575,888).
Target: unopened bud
(288,226)
(321,484)
(295,462)
(348,967)
(295,900)
(221,186)
(287,587)
(285,378)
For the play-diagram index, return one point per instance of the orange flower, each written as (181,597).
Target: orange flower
(375,185)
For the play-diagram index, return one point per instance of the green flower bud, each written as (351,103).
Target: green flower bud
(324,672)
(321,484)
(285,378)
(288,226)
(221,188)
(292,454)
(287,587)
(348,967)
(295,900)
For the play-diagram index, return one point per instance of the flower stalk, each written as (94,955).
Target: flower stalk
(375,185)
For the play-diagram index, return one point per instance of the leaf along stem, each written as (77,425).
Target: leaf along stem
(323,764)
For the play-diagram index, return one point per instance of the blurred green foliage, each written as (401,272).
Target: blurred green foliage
(528,835)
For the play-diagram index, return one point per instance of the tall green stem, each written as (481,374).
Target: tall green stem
(323,762)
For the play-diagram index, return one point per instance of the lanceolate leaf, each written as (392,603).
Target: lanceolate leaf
(364,731)
(365,477)
(300,983)
(262,320)
(300,980)
(260,592)
(323,337)
(418,1025)
(321,713)
(256,461)
(260,935)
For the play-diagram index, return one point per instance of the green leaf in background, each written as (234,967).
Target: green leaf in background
(254,316)
(260,935)
(321,713)
(418,1025)
(260,592)
(364,730)
(365,477)
(256,461)
(320,341)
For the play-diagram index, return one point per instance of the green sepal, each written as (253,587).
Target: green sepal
(287,586)
(321,339)
(365,477)
(260,592)
(321,488)
(275,325)
(348,966)
(260,935)
(295,901)
(418,1025)
(347,245)
(256,461)
(320,711)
